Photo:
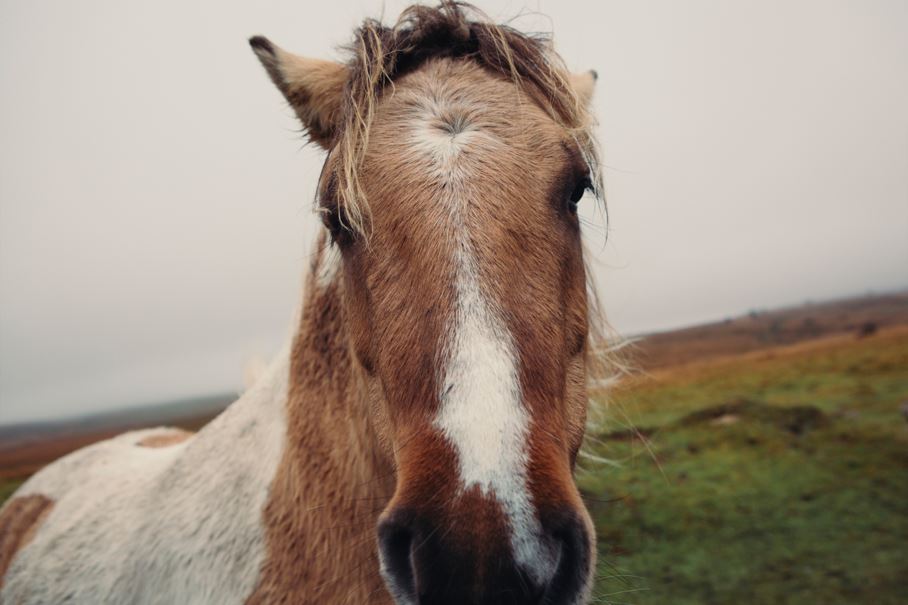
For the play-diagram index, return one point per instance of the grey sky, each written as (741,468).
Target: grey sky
(155,199)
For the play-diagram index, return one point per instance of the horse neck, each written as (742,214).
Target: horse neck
(332,481)
(328,402)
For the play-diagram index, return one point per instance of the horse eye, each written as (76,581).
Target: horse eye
(578,191)
(339,230)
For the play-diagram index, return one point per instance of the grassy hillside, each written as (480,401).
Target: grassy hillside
(762,330)
(772,477)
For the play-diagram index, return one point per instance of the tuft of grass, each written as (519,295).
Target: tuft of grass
(770,478)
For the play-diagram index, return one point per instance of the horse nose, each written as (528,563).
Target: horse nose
(573,570)
(395,547)
(426,564)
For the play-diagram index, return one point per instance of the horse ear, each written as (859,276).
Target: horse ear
(584,84)
(314,88)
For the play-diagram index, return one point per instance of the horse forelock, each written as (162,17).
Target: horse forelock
(380,54)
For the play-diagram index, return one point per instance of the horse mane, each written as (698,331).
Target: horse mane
(379,54)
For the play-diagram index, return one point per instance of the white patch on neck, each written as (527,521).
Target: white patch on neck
(482,413)
(328,267)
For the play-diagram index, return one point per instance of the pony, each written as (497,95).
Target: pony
(415,443)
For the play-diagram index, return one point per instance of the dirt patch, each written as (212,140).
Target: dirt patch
(629,434)
(795,419)
(725,420)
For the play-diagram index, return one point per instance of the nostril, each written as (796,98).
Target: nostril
(573,563)
(395,543)
(535,593)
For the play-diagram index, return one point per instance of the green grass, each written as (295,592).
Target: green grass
(795,492)
(7,487)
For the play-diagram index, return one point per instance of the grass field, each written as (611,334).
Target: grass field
(774,477)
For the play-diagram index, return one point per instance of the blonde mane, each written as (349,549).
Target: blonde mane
(380,54)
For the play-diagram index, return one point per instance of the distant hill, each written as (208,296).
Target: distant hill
(26,447)
(760,330)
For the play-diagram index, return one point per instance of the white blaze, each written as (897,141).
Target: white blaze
(482,414)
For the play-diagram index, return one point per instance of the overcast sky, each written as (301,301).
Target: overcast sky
(155,211)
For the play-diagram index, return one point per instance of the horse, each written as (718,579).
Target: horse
(415,442)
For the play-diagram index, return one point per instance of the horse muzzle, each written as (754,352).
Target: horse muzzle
(468,561)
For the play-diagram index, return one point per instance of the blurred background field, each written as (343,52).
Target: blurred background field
(760,459)
(776,475)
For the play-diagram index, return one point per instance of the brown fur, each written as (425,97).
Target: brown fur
(19,520)
(321,529)
(171,437)
(372,343)
(514,225)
